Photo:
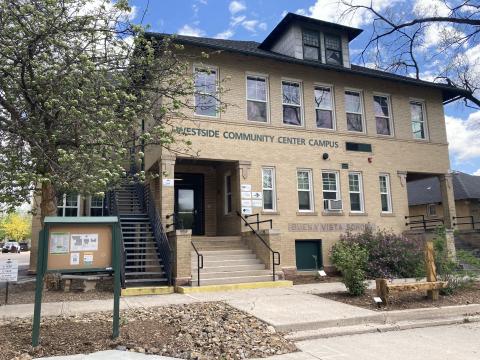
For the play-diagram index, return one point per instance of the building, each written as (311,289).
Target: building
(311,141)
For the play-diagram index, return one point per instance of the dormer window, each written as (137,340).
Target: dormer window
(333,49)
(311,45)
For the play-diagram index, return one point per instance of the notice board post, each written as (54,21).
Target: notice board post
(78,245)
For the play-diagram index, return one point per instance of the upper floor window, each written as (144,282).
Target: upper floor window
(96,205)
(417,111)
(311,45)
(268,187)
(257,103)
(68,205)
(383,121)
(333,49)
(304,189)
(354,109)
(324,107)
(292,104)
(206,103)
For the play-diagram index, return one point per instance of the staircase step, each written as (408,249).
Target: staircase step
(144,273)
(215,263)
(130,254)
(216,238)
(225,274)
(225,252)
(126,243)
(136,267)
(224,257)
(234,280)
(231,267)
(161,279)
(141,260)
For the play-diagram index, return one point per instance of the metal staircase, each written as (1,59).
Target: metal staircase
(143,263)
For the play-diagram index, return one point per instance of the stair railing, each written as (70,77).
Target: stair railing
(161,239)
(275,254)
(199,263)
(112,208)
(420,222)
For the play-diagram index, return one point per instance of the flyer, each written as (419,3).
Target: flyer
(84,242)
(88,259)
(59,243)
(75,258)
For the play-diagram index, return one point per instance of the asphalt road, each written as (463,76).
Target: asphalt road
(23,261)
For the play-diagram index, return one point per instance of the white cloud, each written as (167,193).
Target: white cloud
(262,26)
(464,137)
(431,8)
(236,6)
(188,30)
(227,34)
(235,20)
(250,25)
(477,173)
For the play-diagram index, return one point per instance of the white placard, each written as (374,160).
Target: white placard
(257,203)
(9,270)
(88,259)
(246,187)
(247,210)
(168,182)
(377,300)
(59,243)
(247,202)
(84,242)
(75,258)
(246,195)
(257,195)
(322,273)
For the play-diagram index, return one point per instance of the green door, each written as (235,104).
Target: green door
(308,254)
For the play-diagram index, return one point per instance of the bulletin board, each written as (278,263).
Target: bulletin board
(78,247)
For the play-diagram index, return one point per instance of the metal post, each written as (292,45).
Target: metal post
(6,293)
(116,274)
(41,266)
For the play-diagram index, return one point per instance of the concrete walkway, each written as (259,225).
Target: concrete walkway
(110,355)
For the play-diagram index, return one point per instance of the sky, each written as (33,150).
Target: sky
(254,19)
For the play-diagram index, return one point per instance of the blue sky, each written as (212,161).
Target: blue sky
(254,19)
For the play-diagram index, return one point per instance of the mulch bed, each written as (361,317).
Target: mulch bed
(194,331)
(313,279)
(25,294)
(411,300)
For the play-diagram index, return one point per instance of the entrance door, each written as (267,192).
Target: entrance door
(189,202)
(308,255)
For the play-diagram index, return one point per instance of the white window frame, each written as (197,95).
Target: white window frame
(424,115)
(388,193)
(362,108)
(360,192)
(300,89)
(64,205)
(338,194)
(310,191)
(96,207)
(390,115)
(332,92)
(273,190)
(208,68)
(228,194)
(429,207)
(267,96)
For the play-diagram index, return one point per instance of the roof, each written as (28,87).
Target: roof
(427,191)
(252,48)
(290,18)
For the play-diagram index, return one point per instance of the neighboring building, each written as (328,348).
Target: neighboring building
(425,198)
(311,141)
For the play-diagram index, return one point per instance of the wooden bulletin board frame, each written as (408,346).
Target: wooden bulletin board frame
(108,230)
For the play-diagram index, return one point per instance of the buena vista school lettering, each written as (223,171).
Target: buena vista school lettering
(242,136)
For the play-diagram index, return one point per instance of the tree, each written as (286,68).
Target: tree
(437,38)
(16,227)
(78,79)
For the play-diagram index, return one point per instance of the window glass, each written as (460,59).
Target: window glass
(68,204)
(382,114)
(324,107)
(385,198)
(356,192)
(304,186)
(353,107)
(205,92)
(311,45)
(268,187)
(418,121)
(330,187)
(257,98)
(291,103)
(333,50)
(96,205)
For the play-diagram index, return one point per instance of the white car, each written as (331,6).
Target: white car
(11,246)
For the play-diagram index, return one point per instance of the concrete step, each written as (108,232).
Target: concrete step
(224,257)
(234,280)
(215,263)
(216,238)
(219,248)
(225,252)
(231,267)
(232,274)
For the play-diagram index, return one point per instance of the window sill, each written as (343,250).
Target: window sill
(269,213)
(358,214)
(333,213)
(307,213)
(387,214)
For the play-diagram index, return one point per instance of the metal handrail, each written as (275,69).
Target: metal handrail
(199,263)
(472,221)
(163,246)
(274,263)
(424,224)
(112,206)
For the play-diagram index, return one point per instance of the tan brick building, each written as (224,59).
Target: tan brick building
(309,140)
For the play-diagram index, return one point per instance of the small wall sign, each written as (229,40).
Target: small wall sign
(247,210)
(246,202)
(257,203)
(246,195)
(257,195)
(246,187)
(168,182)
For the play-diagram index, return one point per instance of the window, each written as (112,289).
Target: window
(206,103)
(257,102)
(311,45)
(352,146)
(268,187)
(304,188)
(353,106)
(333,49)
(331,187)
(228,194)
(417,111)
(324,107)
(382,114)
(355,187)
(96,205)
(291,101)
(68,205)
(385,196)
(431,210)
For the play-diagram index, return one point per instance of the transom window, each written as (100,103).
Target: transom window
(354,109)
(96,205)
(68,205)
(257,103)
(331,188)
(333,49)
(304,189)
(417,111)
(268,187)
(324,107)
(383,121)
(355,187)
(292,104)
(206,103)
(385,196)
(311,45)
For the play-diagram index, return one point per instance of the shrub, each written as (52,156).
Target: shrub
(389,255)
(351,259)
